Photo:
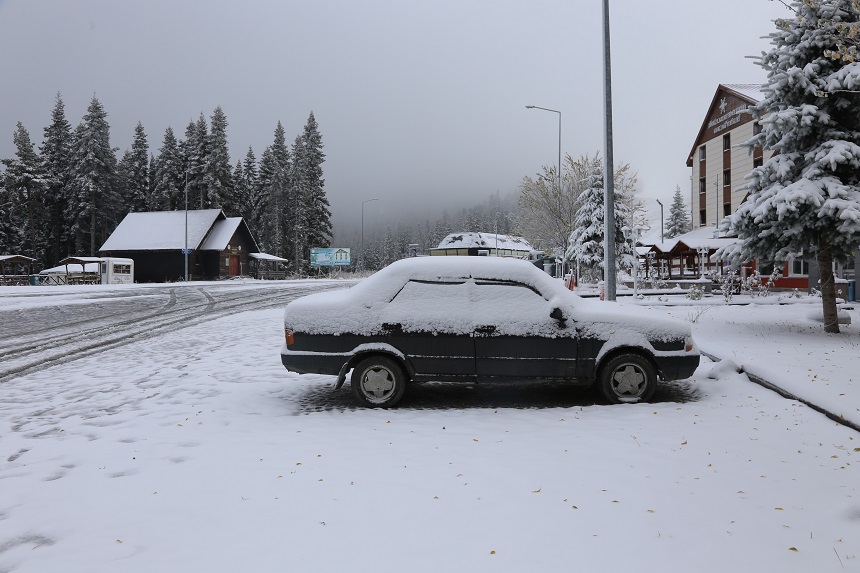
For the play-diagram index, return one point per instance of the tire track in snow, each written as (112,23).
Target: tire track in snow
(31,356)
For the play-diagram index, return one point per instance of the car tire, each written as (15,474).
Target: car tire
(378,382)
(628,379)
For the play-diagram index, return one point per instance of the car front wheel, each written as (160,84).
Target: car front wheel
(628,379)
(378,382)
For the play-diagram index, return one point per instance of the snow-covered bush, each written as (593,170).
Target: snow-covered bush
(695,293)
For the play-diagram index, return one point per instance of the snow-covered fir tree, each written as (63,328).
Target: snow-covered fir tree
(678,221)
(194,154)
(310,218)
(586,241)
(804,202)
(169,176)
(274,184)
(241,192)
(320,209)
(92,208)
(137,172)
(56,154)
(255,204)
(296,230)
(25,183)
(218,174)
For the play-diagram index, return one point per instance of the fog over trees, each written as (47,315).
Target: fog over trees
(66,196)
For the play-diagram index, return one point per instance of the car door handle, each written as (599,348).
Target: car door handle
(485,329)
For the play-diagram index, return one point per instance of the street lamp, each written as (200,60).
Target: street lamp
(559,152)
(361,264)
(661,219)
(608,167)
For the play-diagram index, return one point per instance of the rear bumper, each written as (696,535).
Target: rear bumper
(677,367)
(313,362)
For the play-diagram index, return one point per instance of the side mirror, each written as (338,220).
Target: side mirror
(557,314)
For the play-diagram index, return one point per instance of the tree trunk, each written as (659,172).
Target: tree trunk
(828,288)
(93,233)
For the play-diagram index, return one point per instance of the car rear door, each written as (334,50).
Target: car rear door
(515,338)
(429,322)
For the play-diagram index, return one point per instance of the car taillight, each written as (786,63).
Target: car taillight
(288,337)
(688,344)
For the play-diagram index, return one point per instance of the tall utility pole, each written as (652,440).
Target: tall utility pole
(661,219)
(608,168)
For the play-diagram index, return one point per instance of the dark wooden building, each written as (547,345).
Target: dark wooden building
(220,246)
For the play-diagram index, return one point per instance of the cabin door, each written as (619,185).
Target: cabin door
(234,265)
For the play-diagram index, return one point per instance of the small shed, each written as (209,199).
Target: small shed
(218,246)
(15,270)
(266,266)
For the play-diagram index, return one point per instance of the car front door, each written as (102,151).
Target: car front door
(429,323)
(515,337)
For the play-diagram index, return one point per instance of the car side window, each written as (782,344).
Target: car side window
(423,306)
(513,308)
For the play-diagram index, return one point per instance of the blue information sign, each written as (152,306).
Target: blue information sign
(334,257)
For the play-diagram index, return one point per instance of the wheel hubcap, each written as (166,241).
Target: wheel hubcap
(377,382)
(628,381)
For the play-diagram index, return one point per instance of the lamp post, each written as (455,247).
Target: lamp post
(608,167)
(559,153)
(661,219)
(361,264)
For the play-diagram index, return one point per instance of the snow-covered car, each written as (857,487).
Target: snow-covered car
(479,319)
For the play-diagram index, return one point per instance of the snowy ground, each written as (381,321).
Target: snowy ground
(194,450)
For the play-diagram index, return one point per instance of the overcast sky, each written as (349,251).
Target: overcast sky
(421,104)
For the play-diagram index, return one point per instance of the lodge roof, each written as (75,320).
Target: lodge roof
(207,229)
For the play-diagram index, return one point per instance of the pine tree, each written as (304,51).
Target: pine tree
(256,202)
(56,153)
(169,177)
(194,154)
(586,241)
(218,175)
(137,185)
(318,212)
(804,202)
(241,193)
(152,201)
(297,223)
(678,221)
(92,209)
(276,218)
(25,183)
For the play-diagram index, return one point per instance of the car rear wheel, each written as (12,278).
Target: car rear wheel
(378,382)
(628,379)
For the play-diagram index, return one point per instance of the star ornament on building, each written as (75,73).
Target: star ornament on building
(723,104)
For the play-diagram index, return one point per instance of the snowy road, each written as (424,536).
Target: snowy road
(192,449)
(44,327)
